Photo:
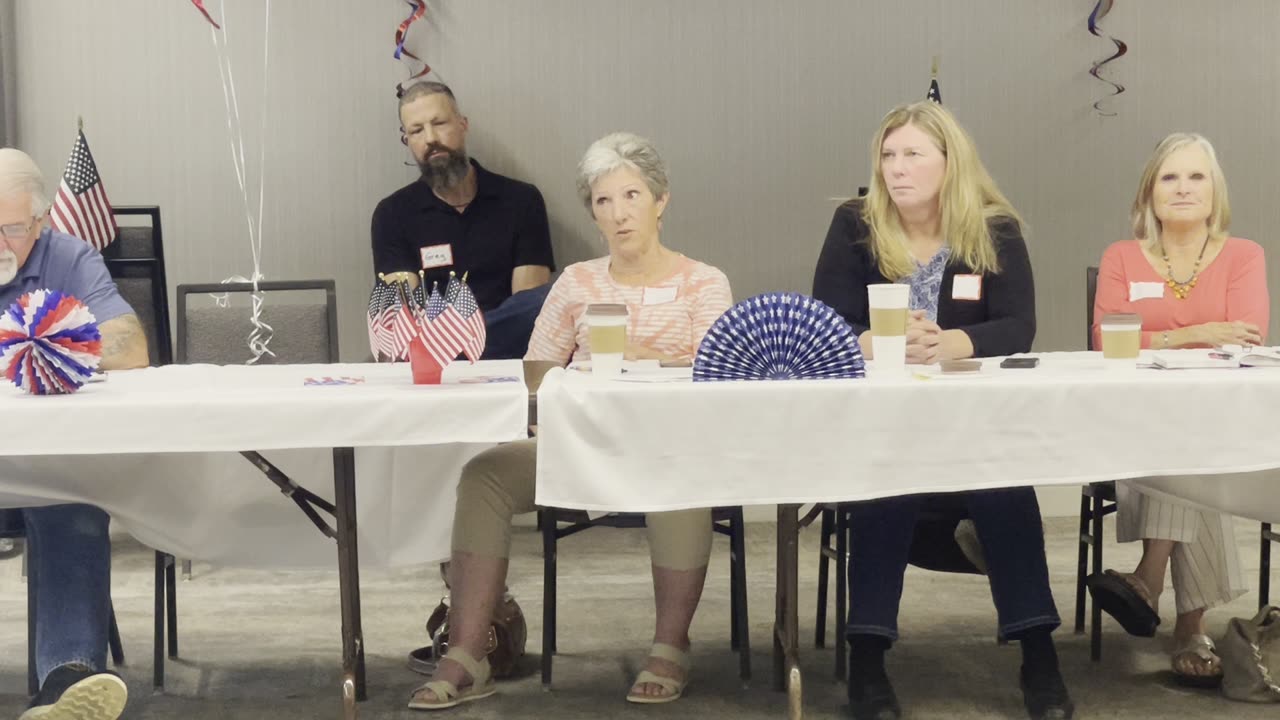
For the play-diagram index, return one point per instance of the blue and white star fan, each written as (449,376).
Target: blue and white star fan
(779,336)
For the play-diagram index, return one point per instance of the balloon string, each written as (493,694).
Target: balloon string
(261,334)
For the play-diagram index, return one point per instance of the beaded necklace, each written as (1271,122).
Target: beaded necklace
(1182,289)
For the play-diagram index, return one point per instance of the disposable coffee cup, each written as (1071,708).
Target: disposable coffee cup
(607,337)
(887,303)
(1121,336)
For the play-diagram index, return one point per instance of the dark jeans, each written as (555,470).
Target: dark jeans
(70,562)
(508,326)
(1008,525)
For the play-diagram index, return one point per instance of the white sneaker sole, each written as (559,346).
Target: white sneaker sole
(97,697)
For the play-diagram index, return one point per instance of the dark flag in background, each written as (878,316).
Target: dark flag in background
(934,93)
(81,207)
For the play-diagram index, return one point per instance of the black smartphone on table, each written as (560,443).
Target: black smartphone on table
(1020,363)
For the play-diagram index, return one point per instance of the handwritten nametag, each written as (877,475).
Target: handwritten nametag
(1144,290)
(966,287)
(434,256)
(658,295)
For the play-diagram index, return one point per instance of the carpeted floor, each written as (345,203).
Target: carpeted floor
(260,644)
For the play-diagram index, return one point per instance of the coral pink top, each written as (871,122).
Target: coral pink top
(1233,287)
(670,316)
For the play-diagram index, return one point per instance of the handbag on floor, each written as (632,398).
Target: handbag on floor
(507,634)
(1250,654)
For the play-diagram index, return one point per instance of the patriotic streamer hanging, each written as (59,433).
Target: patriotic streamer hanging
(200,6)
(1100,11)
(49,343)
(418,9)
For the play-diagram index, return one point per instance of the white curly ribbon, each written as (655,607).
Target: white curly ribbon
(261,333)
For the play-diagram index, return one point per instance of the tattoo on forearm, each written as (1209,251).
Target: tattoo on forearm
(124,344)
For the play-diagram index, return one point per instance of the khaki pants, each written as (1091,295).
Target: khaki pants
(499,483)
(1205,565)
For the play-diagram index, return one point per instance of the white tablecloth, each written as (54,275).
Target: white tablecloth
(158,449)
(640,446)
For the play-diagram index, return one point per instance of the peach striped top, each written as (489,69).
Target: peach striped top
(680,310)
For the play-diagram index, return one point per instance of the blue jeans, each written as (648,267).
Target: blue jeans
(70,562)
(1008,525)
(509,325)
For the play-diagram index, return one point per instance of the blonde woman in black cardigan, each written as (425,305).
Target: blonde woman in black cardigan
(933,218)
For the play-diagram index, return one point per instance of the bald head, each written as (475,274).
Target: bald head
(20,175)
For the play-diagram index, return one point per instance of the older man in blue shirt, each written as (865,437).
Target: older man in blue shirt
(70,550)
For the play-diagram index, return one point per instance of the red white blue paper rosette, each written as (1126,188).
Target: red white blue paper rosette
(49,343)
(779,336)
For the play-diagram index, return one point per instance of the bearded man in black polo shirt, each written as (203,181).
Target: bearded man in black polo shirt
(460,217)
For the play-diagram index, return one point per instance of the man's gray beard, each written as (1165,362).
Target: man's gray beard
(8,267)
(444,176)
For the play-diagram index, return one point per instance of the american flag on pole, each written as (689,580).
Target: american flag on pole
(81,207)
(380,341)
(442,334)
(400,319)
(934,93)
(472,321)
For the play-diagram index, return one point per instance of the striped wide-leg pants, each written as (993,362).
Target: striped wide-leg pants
(1205,565)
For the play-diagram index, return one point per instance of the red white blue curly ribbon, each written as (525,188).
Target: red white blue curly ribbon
(200,6)
(1100,11)
(49,343)
(418,9)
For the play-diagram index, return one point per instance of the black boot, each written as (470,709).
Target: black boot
(871,696)
(1043,691)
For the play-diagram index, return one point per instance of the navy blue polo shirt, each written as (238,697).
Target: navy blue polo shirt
(68,265)
(504,227)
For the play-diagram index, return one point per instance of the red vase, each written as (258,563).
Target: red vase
(426,370)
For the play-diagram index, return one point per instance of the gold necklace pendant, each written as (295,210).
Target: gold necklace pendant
(1181,290)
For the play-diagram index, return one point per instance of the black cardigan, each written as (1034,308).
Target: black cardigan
(1002,322)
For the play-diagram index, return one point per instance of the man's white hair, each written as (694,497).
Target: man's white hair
(20,174)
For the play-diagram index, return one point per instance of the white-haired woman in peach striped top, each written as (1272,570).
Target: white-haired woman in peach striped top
(672,301)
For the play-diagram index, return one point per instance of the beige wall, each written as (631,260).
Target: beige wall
(762,109)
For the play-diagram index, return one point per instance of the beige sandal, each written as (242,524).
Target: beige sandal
(1198,651)
(447,694)
(673,687)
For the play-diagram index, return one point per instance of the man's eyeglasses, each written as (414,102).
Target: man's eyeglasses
(16,231)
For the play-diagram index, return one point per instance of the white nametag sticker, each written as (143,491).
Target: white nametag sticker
(434,256)
(658,295)
(966,287)
(1144,290)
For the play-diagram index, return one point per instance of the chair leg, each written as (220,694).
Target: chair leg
(842,589)
(1264,568)
(157,647)
(113,638)
(1095,635)
(738,593)
(733,596)
(548,523)
(171,603)
(1082,564)
(33,677)
(824,542)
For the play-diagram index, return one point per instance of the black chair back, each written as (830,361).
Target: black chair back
(304,323)
(1090,291)
(135,260)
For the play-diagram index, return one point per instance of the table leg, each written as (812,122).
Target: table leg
(344,498)
(786,630)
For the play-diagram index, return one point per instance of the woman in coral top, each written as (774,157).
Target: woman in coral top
(672,302)
(1193,286)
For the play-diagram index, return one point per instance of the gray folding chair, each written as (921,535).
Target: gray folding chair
(213,326)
